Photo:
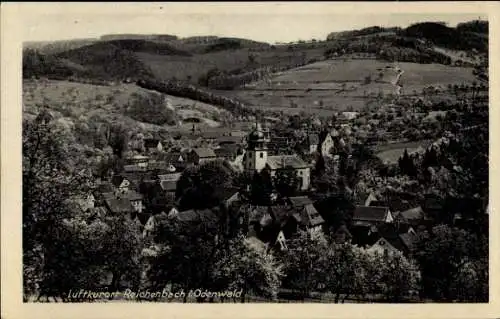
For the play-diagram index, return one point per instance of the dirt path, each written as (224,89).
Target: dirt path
(396,82)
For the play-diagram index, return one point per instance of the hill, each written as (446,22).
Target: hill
(53,47)
(84,108)
(347,84)
(151,37)
(106,60)
(467,36)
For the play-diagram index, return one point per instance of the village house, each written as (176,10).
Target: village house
(199,156)
(134,198)
(228,196)
(121,183)
(205,216)
(306,214)
(118,206)
(168,184)
(294,162)
(134,168)
(413,216)
(176,159)
(86,202)
(365,199)
(153,145)
(312,142)
(139,160)
(371,215)
(389,240)
(326,144)
(227,151)
(152,223)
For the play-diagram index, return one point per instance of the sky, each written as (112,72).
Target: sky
(269,22)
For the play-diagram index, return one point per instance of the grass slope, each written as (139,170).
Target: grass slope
(340,84)
(81,104)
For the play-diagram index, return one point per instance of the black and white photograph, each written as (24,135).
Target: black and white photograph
(173,156)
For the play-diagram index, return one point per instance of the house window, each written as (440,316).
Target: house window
(261,154)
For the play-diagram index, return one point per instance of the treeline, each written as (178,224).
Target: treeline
(361,32)
(105,60)
(102,61)
(194,93)
(231,81)
(460,38)
(412,55)
(389,48)
(36,64)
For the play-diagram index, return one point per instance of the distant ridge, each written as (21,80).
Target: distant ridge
(160,37)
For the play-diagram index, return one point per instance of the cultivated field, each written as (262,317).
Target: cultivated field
(345,84)
(417,76)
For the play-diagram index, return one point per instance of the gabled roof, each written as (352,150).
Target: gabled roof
(133,168)
(161,166)
(170,177)
(300,201)
(343,230)
(168,186)
(117,180)
(413,213)
(229,140)
(203,152)
(408,240)
(314,218)
(132,195)
(370,213)
(225,152)
(119,205)
(283,161)
(105,187)
(173,158)
(151,142)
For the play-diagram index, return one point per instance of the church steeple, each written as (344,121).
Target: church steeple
(256,153)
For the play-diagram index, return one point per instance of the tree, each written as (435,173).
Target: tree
(397,277)
(302,259)
(261,188)
(186,256)
(199,186)
(118,140)
(406,165)
(49,179)
(249,267)
(286,182)
(344,271)
(442,255)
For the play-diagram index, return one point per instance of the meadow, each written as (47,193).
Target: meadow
(342,84)
(391,152)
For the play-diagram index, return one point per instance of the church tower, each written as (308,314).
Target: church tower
(256,154)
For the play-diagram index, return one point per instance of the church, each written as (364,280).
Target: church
(257,158)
